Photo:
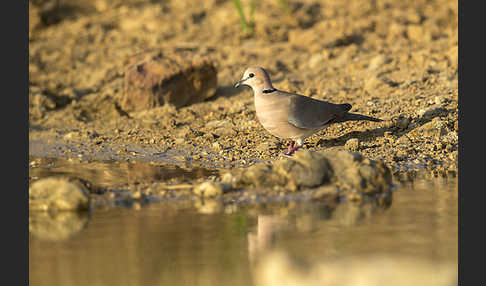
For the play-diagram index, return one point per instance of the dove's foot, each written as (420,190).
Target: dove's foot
(292,148)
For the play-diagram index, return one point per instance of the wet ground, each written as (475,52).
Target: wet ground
(193,243)
(393,60)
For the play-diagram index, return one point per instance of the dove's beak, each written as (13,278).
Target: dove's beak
(238,83)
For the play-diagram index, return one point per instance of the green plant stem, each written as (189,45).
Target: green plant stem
(244,24)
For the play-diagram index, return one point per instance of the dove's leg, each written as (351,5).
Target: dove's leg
(297,145)
(291,148)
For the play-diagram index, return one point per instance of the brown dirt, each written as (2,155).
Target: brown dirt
(396,60)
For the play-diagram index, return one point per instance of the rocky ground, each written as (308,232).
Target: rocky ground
(396,60)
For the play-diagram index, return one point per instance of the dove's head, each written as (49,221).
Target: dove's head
(256,78)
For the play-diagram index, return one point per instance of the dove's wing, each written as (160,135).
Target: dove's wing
(306,112)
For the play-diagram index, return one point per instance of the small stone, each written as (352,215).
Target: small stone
(404,140)
(430,113)
(352,144)
(377,62)
(315,60)
(217,146)
(209,189)
(137,195)
(439,100)
(181,158)
(403,122)
(71,136)
(227,178)
(325,191)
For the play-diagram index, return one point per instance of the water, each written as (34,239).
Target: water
(113,174)
(188,244)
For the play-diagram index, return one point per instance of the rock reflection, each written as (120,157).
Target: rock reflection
(263,238)
(107,174)
(349,214)
(305,218)
(57,226)
(209,206)
(277,268)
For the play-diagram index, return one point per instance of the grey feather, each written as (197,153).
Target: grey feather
(309,113)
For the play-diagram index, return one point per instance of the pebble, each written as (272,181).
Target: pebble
(403,122)
(377,62)
(209,189)
(429,113)
(352,144)
(439,100)
(404,140)
(419,34)
(217,146)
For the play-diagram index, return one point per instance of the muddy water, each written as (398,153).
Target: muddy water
(186,244)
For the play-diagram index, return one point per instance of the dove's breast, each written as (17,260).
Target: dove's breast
(272,111)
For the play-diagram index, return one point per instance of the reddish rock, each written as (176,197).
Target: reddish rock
(178,77)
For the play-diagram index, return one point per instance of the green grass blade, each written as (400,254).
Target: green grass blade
(243,22)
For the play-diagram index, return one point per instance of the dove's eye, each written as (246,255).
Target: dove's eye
(251,75)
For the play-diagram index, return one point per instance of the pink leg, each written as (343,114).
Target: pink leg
(292,148)
(296,147)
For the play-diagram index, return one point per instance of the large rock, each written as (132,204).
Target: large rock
(355,172)
(303,170)
(53,194)
(310,170)
(176,77)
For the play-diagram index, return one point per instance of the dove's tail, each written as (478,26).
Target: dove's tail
(355,117)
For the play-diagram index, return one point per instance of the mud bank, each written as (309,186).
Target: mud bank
(389,59)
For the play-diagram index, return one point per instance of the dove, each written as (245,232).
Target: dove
(293,116)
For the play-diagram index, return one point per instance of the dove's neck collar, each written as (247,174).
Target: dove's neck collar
(269,90)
